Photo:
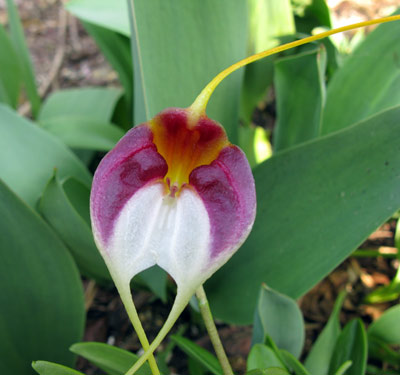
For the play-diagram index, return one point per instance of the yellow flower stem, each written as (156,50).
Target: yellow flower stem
(126,297)
(198,108)
(212,331)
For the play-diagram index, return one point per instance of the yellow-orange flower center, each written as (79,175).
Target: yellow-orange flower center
(185,146)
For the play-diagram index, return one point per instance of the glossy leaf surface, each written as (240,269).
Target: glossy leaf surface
(10,74)
(334,184)
(317,361)
(92,103)
(268,21)
(279,317)
(261,356)
(84,133)
(49,368)
(351,346)
(387,327)
(371,76)
(58,210)
(293,363)
(268,371)
(113,360)
(112,15)
(24,59)
(189,44)
(29,155)
(199,354)
(117,50)
(300,90)
(42,311)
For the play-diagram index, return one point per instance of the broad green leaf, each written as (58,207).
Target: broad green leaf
(268,21)
(351,346)
(261,356)
(84,133)
(198,353)
(10,74)
(367,83)
(178,46)
(29,155)
(41,299)
(293,363)
(113,360)
(57,210)
(347,182)
(94,103)
(300,90)
(279,317)
(268,371)
(117,50)
(49,368)
(387,327)
(109,14)
(24,59)
(317,361)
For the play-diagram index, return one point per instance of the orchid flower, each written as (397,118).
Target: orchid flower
(175,193)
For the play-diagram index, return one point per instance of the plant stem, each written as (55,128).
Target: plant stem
(179,305)
(212,330)
(126,297)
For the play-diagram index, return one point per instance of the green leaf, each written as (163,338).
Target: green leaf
(311,14)
(300,90)
(198,353)
(380,350)
(387,327)
(293,363)
(156,279)
(96,104)
(10,74)
(195,368)
(347,183)
(57,210)
(105,13)
(351,346)
(268,21)
(24,60)
(268,371)
(261,356)
(84,133)
(343,368)
(371,78)
(117,50)
(49,368)
(41,299)
(279,317)
(113,360)
(317,361)
(28,156)
(178,47)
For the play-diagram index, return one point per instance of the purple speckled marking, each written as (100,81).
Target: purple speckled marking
(133,163)
(226,187)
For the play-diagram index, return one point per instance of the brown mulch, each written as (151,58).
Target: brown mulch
(81,64)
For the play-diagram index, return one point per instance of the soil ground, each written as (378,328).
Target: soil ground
(65,56)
